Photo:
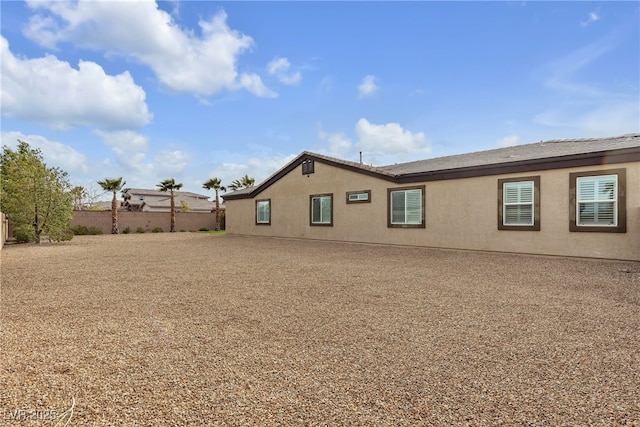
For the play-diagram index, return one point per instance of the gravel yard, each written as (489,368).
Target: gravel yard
(191,329)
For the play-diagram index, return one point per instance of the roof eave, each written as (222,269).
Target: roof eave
(559,162)
(623,155)
(293,164)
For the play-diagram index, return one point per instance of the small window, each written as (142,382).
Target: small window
(519,204)
(321,209)
(359,196)
(263,212)
(406,207)
(597,201)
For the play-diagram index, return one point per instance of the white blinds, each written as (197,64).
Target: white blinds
(518,203)
(597,200)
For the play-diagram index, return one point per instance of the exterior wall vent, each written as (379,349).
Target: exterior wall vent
(307,167)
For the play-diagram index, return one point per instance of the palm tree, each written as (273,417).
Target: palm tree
(114,185)
(78,195)
(171,186)
(215,184)
(244,182)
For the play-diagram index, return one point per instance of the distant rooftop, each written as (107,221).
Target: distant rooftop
(156,192)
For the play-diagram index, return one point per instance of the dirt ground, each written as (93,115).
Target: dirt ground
(191,329)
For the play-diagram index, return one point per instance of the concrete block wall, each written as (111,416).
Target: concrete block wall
(188,221)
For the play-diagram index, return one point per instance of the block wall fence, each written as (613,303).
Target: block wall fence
(187,221)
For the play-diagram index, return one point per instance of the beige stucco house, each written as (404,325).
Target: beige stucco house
(561,197)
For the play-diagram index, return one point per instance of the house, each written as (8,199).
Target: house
(141,200)
(576,197)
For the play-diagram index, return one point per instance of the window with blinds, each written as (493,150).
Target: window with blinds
(597,201)
(517,203)
(321,209)
(597,198)
(263,212)
(406,207)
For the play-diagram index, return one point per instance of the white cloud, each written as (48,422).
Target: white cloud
(593,17)
(182,60)
(612,117)
(54,153)
(171,162)
(279,67)
(253,84)
(129,148)
(390,139)
(367,87)
(589,108)
(339,145)
(49,91)
(508,141)
(561,74)
(379,144)
(258,168)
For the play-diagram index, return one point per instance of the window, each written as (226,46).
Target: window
(406,207)
(359,196)
(321,209)
(263,212)
(597,201)
(519,204)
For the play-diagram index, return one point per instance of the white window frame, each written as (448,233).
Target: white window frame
(326,218)
(259,204)
(363,196)
(596,199)
(411,219)
(524,190)
(532,183)
(618,198)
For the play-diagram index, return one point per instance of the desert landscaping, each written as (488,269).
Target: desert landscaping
(191,329)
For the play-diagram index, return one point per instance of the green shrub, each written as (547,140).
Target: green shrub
(182,231)
(126,230)
(157,230)
(80,230)
(204,229)
(139,230)
(61,236)
(94,231)
(23,236)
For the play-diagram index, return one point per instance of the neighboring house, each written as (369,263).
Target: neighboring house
(141,200)
(562,197)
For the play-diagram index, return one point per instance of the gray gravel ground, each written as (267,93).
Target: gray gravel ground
(192,329)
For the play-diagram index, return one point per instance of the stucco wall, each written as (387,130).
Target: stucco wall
(188,221)
(459,214)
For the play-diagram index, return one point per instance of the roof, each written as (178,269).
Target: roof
(160,199)
(543,155)
(157,192)
(539,150)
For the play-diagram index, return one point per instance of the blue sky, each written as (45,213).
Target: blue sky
(195,90)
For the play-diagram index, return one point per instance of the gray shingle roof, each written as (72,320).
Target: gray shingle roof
(536,156)
(538,150)
(156,192)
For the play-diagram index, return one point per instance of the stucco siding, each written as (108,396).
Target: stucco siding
(459,213)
